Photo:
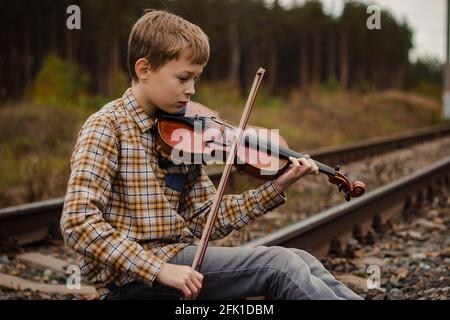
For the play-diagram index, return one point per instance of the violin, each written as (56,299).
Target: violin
(198,135)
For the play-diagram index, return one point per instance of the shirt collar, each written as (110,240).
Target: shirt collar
(143,120)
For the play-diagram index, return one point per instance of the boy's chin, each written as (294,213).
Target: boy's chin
(182,110)
(178,110)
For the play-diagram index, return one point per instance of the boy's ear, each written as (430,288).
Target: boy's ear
(142,68)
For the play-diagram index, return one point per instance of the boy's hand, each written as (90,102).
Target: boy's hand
(299,168)
(183,278)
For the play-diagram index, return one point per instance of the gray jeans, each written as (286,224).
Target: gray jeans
(232,273)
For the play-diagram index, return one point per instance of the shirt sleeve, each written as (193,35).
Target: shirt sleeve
(94,165)
(235,211)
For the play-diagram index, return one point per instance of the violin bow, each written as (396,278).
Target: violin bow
(202,246)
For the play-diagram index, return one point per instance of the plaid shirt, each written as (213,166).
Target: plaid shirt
(127,213)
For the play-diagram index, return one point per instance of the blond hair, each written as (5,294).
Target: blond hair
(160,36)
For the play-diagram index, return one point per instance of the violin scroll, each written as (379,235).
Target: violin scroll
(350,189)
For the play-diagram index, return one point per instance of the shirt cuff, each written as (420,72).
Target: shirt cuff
(148,267)
(269,197)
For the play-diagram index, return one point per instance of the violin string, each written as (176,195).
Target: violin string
(283,152)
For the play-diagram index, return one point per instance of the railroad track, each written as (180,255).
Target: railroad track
(405,195)
(28,223)
(363,214)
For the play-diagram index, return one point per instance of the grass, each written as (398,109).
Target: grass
(323,119)
(36,144)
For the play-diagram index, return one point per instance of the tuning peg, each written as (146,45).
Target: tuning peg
(337,168)
(347,196)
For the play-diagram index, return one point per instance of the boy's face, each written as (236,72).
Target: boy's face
(171,86)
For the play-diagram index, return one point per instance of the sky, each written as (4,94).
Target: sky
(427,19)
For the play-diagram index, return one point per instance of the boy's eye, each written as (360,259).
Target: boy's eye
(184,79)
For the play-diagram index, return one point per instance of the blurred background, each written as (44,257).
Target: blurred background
(329,79)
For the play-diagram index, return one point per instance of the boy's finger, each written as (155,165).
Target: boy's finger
(197,283)
(304,162)
(192,288)
(294,161)
(199,276)
(314,166)
(198,287)
(186,292)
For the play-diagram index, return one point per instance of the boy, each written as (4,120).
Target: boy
(133,216)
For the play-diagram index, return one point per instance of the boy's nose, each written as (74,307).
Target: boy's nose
(189,91)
